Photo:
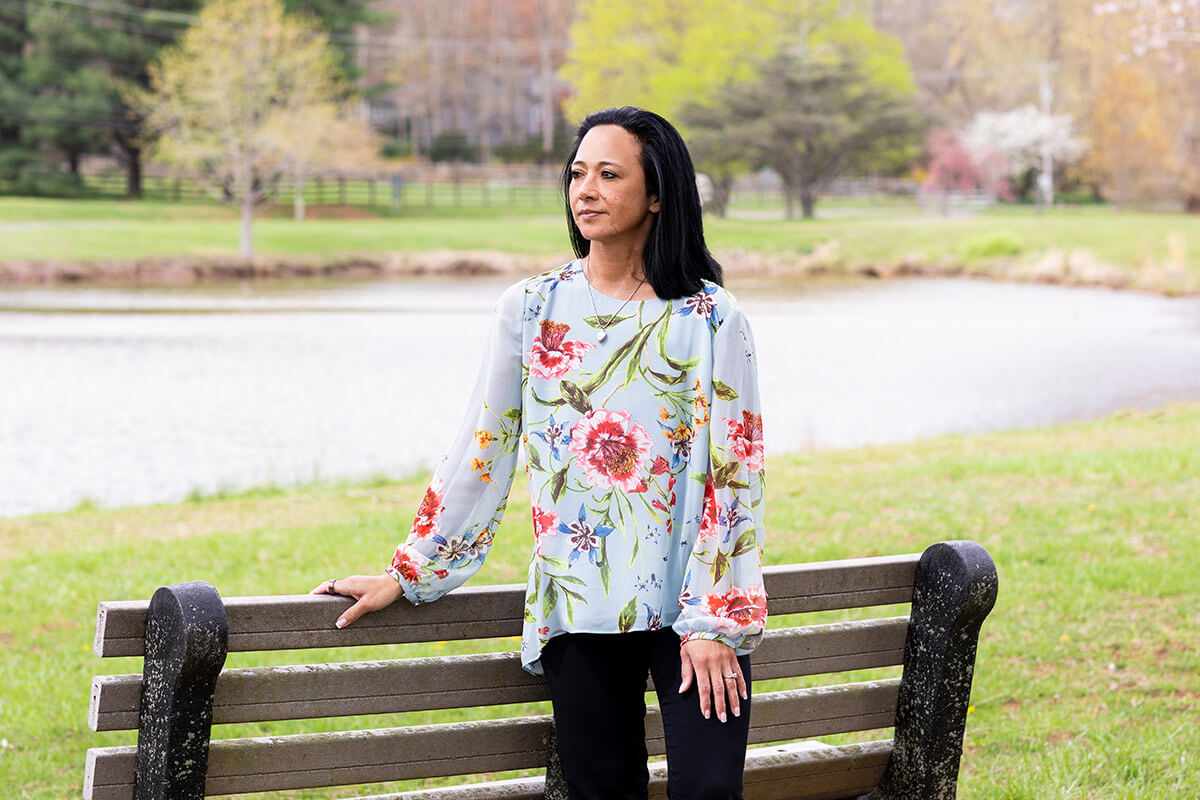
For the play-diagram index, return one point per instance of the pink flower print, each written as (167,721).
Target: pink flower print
(545,523)
(553,355)
(612,449)
(408,562)
(746,439)
(738,609)
(710,515)
(426,522)
(660,466)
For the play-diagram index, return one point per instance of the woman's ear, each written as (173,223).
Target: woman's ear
(654,206)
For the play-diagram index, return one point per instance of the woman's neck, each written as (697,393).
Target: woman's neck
(616,274)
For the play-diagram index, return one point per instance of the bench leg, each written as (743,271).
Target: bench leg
(186,641)
(955,589)
(556,783)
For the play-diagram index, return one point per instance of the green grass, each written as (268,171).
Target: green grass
(1088,674)
(1130,242)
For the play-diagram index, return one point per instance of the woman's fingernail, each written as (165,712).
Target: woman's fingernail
(737,712)
(706,715)
(341,623)
(721,717)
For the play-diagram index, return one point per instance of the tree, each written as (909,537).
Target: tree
(1024,138)
(953,168)
(1133,148)
(678,59)
(14,34)
(215,99)
(811,122)
(334,137)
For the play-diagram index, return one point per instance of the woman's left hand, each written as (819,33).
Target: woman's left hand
(718,676)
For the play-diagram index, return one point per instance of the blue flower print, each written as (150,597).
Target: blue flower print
(584,538)
(554,435)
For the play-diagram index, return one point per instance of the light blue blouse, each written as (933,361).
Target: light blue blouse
(645,460)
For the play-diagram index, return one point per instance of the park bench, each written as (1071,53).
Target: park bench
(185,631)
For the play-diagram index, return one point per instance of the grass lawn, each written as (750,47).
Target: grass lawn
(1088,675)
(1128,242)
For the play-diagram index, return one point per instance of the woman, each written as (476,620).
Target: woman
(629,377)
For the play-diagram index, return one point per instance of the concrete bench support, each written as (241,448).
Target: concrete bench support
(954,590)
(187,638)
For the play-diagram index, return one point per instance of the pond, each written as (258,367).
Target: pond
(124,396)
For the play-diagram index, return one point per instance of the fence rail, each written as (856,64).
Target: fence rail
(378,191)
(522,188)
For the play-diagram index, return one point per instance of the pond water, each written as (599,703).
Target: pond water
(122,396)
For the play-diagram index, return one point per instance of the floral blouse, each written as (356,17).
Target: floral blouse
(644,452)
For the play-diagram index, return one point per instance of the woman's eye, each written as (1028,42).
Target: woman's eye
(576,174)
(607,174)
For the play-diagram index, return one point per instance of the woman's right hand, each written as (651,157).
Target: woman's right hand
(372,592)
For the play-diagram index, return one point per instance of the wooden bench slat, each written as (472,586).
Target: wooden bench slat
(381,687)
(351,757)
(847,583)
(797,771)
(291,622)
(298,622)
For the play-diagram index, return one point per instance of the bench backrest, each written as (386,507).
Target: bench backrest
(313,691)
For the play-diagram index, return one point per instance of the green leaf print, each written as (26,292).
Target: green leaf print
(549,599)
(554,561)
(605,568)
(720,566)
(628,616)
(723,475)
(577,398)
(745,543)
(514,414)
(597,322)
(529,617)
(535,461)
(558,482)
(724,390)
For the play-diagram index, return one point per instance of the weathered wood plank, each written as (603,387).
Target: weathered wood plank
(353,757)
(381,687)
(289,622)
(294,622)
(834,647)
(848,583)
(795,771)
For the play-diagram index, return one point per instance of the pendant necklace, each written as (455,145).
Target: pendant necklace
(602,334)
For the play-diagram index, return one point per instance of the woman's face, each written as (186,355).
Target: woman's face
(607,192)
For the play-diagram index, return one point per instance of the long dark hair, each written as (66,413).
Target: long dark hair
(676,259)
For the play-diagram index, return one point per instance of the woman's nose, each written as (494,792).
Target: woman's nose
(586,187)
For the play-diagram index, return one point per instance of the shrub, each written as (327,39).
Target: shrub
(994,245)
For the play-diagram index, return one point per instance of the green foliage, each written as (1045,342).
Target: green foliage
(1086,673)
(659,54)
(452,146)
(808,119)
(27,172)
(996,244)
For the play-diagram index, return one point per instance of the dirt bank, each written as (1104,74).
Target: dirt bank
(1062,267)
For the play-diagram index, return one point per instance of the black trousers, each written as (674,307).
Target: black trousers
(597,685)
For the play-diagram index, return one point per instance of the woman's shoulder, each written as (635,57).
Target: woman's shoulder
(713,301)
(551,278)
(518,295)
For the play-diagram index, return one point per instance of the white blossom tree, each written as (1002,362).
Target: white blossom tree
(1025,138)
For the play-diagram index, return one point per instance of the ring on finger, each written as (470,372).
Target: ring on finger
(733,676)
(332,584)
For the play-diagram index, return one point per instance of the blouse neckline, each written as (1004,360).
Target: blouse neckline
(578,264)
